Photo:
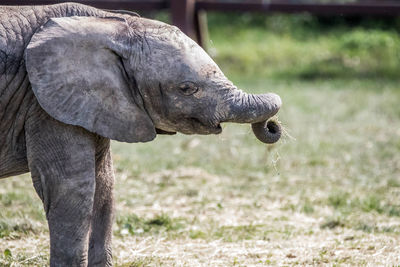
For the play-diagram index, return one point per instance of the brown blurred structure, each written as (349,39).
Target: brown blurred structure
(189,15)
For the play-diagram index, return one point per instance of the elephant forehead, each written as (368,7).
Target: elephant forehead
(184,66)
(176,48)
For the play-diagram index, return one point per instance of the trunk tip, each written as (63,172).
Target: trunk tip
(268,132)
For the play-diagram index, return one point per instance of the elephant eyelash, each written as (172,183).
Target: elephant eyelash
(188,88)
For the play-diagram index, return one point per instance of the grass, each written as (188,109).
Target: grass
(326,194)
(301,46)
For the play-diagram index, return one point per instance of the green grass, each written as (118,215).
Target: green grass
(160,223)
(327,193)
(301,46)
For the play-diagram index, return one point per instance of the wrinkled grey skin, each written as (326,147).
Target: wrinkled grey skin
(73,77)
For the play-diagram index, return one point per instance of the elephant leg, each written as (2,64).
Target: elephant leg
(101,231)
(61,159)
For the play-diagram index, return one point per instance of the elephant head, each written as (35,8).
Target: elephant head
(128,78)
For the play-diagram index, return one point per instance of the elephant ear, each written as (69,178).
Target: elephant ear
(76,69)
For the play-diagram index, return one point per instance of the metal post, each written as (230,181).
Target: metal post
(184,16)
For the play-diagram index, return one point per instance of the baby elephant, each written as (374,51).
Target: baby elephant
(72,77)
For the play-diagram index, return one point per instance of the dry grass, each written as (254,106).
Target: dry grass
(224,227)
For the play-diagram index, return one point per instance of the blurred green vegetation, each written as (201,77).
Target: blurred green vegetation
(305,46)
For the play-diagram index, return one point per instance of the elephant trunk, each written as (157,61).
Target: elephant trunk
(257,110)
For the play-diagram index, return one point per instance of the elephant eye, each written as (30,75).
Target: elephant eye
(188,88)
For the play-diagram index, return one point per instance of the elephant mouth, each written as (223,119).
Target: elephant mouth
(192,125)
(160,131)
(200,127)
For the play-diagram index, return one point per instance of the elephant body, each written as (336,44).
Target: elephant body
(21,115)
(72,77)
(17,26)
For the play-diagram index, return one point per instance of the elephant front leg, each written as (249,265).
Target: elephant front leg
(62,164)
(100,253)
(69,218)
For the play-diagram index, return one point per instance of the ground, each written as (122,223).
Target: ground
(327,194)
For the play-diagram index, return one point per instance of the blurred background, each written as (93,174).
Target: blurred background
(328,193)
